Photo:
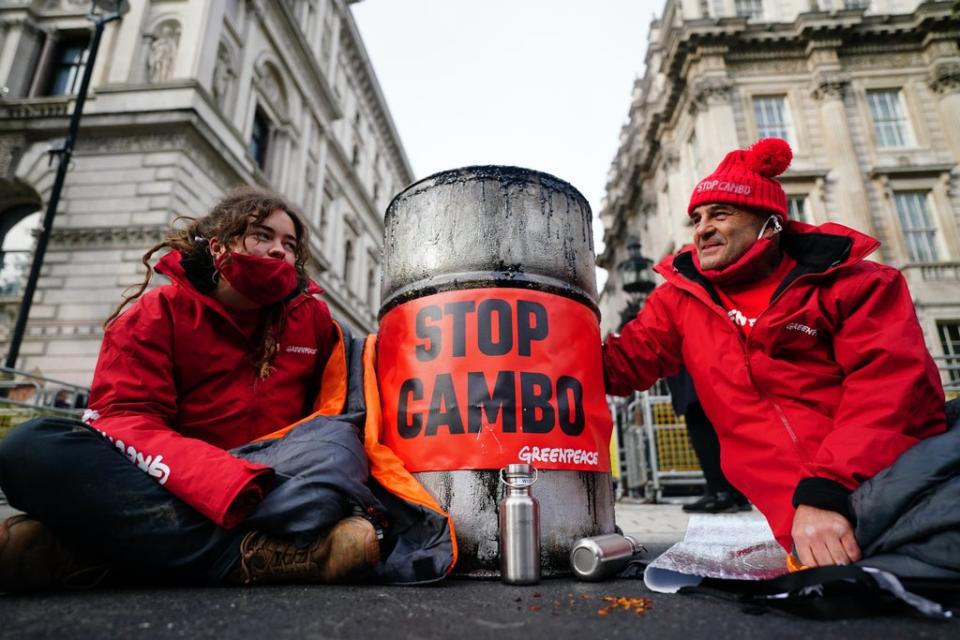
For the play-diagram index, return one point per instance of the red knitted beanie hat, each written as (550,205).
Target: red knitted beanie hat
(745,178)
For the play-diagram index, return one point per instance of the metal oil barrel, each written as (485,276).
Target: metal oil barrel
(499,227)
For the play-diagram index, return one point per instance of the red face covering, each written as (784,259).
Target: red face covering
(260,280)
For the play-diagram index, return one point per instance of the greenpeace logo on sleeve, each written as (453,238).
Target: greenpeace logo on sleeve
(153,466)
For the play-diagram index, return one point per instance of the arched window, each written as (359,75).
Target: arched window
(260,136)
(16,253)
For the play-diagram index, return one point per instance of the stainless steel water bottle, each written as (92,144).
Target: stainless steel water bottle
(602,557)
(519,526)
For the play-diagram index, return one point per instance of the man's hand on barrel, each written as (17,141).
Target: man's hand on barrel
(822,537)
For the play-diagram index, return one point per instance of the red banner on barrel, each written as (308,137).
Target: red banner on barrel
(482,378)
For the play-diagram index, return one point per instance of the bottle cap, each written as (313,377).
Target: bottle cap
(518,475)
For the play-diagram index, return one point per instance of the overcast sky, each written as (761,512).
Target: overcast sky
(541,84)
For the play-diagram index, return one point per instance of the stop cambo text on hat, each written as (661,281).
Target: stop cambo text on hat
(746,178)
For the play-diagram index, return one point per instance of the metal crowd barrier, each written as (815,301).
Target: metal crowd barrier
(25,395)
(656,454)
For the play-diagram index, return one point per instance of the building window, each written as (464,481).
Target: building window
(310,182)
(773,117)
(796,208)
(348,259)
(693,155)
(69,61)
(260,138)
(749,9)
(371,287)
(950,341)
(856,4)
(322,221)
(889,118)
(916,221)
(326,201)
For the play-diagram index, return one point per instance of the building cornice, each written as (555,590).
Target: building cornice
(370,86)
(911,170)
(102,237)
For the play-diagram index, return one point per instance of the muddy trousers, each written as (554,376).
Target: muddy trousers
(69,477)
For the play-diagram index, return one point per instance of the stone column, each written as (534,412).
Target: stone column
(125,43)
(715,124)
(845,177)
(945,81)
(43,63)
(678,196)
(18,48)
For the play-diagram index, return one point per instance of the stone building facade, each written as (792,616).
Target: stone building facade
(188,99)
(867,93)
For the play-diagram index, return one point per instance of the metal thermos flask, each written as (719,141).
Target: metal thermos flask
(519,526)
(602,557)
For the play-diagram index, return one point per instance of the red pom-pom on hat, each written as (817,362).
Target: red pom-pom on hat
(769,157)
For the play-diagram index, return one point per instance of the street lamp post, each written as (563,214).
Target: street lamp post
(110,10)
(637,279)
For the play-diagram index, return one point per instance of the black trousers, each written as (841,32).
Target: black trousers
(76,482)
(73,480)
(706,445)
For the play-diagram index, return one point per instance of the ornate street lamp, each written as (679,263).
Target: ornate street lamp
(101,13)
(637,280)
(635,270)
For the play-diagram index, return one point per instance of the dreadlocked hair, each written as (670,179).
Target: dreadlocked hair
(228,222)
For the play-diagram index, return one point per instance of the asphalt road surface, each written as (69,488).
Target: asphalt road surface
(461,609)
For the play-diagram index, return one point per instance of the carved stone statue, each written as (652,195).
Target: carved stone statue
(162,54)
(223,76)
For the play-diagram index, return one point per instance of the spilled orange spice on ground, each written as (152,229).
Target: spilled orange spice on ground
(637,605)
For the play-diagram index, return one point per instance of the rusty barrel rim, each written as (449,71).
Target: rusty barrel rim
(503,275)
(503,173)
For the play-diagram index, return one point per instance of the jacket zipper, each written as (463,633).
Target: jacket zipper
(781,414)
(744,346)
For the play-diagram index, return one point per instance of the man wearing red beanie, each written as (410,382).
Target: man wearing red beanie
(808,359)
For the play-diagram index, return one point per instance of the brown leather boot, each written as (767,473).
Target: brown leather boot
(348,552)
(31,558)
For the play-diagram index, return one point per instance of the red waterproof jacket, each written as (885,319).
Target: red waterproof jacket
(830,386)
(176,386)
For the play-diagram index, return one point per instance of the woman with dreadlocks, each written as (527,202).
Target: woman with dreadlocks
(231,350)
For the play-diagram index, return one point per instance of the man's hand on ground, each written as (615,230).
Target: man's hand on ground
(823,537)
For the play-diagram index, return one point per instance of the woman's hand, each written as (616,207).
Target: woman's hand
(823,537)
